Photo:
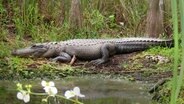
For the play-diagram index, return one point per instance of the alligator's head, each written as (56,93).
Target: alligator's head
(36,50)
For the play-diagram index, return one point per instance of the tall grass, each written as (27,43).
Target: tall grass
(177,81)
(35,19)
(25,16)
(181,2)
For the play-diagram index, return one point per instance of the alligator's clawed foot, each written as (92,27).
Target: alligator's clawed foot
(97,62)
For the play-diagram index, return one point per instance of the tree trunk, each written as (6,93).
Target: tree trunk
(43,9)
(154,25)
(75,16)
(60,19)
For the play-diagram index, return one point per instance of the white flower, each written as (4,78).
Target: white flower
(69,94)
(72,93)
(47,84)
(52,91)
(49,88)
(23,95)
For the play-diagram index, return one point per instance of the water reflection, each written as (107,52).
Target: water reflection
(97,91)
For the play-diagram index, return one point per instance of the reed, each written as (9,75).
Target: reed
(177,81)
(181,75)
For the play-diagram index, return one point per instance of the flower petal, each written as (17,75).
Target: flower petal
(54,90)
(20,95)
(81,95)
(51,84)
(44,83)
(51,90)
(46,89)
(76,90)
(26,98)
(68,94)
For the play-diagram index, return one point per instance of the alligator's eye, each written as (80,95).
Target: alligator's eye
(40,46)
(37,46)
(33,46)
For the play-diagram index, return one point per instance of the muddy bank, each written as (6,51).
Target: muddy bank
(136,66)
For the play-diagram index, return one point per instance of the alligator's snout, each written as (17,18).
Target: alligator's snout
(29,51)
(17,52)
(14,52)
(22,52)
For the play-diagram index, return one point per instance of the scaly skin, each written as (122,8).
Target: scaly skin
(98,50)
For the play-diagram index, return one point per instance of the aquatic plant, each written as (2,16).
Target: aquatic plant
(23,94)
(50,91)
(73,93)
(49,88)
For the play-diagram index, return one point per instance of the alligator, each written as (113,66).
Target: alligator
(97,51)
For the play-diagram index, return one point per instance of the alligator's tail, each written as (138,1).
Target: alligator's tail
(142,44)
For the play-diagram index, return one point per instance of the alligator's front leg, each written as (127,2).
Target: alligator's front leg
(73,60)
(63,57)
(107,50)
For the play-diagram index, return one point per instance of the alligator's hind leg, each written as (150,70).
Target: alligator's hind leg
(63,57)
(107,50)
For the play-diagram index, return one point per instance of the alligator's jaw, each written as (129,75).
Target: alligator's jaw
(25,52)
(29,51)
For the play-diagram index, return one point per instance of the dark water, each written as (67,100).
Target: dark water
(97,91)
